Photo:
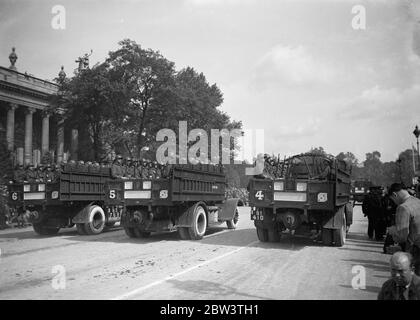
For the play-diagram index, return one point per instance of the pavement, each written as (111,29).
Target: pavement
(226,264)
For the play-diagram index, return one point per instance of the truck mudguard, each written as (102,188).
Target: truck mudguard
(336,220)
(228,208)
(83,215)
(185,220)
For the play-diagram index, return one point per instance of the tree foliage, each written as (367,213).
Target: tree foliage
(124,101)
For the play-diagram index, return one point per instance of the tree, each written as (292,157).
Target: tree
(84,99)
(319,151)
(373,167)
(146,75)
(123,102)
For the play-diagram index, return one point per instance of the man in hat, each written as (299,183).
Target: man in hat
(19,174)
(144,169)
(31,174)
(117,171)
(130,170)
(157,170)
(137,171)
(373,210)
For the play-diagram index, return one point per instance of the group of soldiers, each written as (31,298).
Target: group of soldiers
(140,169)
(38,173)
(120,169)
(272,167)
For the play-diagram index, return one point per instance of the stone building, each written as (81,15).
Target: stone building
(31,129)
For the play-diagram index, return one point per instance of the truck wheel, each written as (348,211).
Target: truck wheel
(44,230)
(339,235)
(96,222)
(273,236)
(141,234)
(199,223)
(183,233)
(231,224)
(262,234)
(129,232)
(81,229)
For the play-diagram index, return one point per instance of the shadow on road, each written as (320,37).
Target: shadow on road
(374,265)
(211,288)
(372,289)
(31,234)
(215,236)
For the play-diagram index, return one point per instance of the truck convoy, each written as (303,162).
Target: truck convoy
(189,198)
(306,195)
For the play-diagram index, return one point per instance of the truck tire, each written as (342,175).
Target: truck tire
(43,230)
(339,235)
(81,229)
(262,234)
(231,224)
(141,234)
(273,236)
(183,233)
(199,223)
(96,222)
(129,232)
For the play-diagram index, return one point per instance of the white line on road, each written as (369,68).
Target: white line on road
(138,290)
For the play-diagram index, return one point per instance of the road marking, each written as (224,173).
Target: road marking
(138,290)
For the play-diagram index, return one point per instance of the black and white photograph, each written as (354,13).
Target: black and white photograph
(209,156)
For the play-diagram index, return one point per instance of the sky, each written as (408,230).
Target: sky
(297,69)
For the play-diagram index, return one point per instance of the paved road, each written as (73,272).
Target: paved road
(225,265)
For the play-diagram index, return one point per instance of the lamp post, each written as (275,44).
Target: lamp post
(416,132)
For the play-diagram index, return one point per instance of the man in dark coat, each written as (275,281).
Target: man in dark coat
(372,208)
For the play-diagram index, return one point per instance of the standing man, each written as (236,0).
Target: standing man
(117,171)
(407,222)
(372,208)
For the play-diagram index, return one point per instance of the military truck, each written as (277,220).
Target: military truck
(189,199)
(359,189)
(309,197)
(76,196)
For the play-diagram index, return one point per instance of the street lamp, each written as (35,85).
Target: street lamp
(416,132)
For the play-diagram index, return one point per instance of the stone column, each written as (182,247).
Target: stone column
(28,135)
(60,139)
(45,146)
(10,133)
(74,144)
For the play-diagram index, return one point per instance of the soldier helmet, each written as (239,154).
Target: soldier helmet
(72,162)
(81,162)
(119,156)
